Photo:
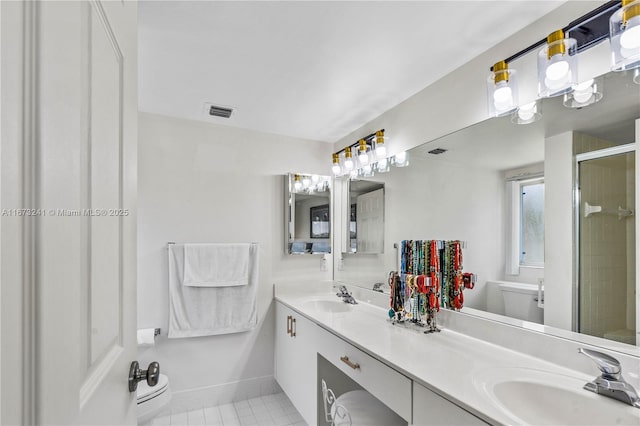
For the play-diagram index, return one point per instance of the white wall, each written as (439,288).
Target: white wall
(558,231)
(436,199)
(202,182)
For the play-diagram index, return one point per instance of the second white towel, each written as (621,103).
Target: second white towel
(216,265)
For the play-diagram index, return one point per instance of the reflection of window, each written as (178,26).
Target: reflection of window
(526,223)
(352,222)
(320,223)
(532,223)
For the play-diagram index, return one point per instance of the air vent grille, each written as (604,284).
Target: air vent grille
(437,151)
(218,111)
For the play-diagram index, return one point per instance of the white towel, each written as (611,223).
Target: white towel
(216,265)
(205,311)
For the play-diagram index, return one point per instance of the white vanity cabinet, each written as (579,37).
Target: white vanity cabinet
(430,408)
(296,360)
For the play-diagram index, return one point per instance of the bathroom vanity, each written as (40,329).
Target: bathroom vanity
(441,378)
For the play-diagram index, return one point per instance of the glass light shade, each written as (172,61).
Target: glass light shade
(381,151)
(297,185)
(364,158)
(353,175)
(584,94)
(624,33)
(527,113)
(401,159)
(306,181)
(502,90)
(382,166)
(315,179)
(557,67)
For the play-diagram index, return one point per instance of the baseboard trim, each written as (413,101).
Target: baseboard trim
(208,396)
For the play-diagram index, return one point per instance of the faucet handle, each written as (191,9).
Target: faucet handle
(606,363)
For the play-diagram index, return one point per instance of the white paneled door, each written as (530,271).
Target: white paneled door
(71,163)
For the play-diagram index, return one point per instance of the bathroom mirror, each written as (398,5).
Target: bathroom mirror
(468,186)
(307,214)
(364,217)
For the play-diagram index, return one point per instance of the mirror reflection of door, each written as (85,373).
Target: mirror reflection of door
(606,244)
(366,217)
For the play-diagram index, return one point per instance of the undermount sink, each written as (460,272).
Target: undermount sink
(323,305)
(538,397)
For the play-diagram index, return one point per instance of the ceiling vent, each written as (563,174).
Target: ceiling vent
(437,151)
(219,111)
(212,110)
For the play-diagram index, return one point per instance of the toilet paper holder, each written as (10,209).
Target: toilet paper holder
(136,374)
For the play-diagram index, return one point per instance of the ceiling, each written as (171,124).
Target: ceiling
(307,69)
(499,144)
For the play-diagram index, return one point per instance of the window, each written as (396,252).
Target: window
(532,222)
(525,228)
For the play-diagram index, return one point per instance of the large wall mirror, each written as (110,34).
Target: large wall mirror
(546,210)
(307,214)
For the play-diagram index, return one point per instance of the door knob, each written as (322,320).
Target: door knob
(151,375)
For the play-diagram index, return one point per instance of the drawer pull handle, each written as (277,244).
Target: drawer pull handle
(353,365)
(289,318)
(293,327)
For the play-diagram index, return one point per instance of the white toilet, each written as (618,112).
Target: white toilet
(521,301)
(151,400)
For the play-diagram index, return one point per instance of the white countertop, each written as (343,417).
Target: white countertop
(451,364)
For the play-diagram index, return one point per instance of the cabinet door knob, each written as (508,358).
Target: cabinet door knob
(289,328)
(293,327)
(353,365)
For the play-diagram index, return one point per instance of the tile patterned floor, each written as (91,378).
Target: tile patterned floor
(268,410)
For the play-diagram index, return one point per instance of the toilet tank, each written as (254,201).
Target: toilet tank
(521,301)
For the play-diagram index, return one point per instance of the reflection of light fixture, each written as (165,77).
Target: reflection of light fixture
(306,181)
(586,93)
(297,185)
(636,76)
(381,150)
(366,156)
(363,155)
(336,169)
(382,166)
(502,90)
(353,174)
(557,65)
(527,113)
(348,159)
(624,32)
(367,171)
(401,159)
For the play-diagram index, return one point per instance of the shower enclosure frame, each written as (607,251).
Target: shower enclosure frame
(579,158)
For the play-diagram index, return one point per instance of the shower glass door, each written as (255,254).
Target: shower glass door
(605,218)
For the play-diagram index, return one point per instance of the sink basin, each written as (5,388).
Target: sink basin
(333,306)
(529,396)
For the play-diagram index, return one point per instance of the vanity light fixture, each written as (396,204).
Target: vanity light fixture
(348,160)
(557,65)
(624,32)
(502,90)
(363,154)
(584,94)
(371,155)
(335,168)
(380,149)
(297,184)
(527,113)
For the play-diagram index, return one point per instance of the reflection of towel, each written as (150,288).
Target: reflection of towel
(204,311)
(216,265)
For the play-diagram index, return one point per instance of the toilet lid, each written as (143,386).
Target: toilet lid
(146,392)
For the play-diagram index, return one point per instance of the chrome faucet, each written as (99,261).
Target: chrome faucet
(610,383)
(345,295)
(378,287)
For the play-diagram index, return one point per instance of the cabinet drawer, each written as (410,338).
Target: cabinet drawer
(381,381)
